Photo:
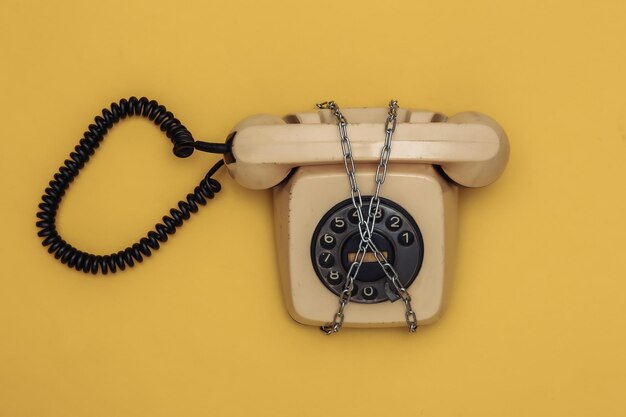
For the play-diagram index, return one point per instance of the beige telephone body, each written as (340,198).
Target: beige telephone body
(300,158)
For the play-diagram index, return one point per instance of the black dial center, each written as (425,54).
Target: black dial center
(370,269)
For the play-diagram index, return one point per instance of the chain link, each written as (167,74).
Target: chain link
(346,293)
(366,225)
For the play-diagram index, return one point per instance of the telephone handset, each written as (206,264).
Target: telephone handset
(471,148)
(317,228)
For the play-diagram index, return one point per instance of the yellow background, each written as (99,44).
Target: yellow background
(536,318)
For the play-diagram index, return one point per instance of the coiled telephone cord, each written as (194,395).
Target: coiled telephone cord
(184,145)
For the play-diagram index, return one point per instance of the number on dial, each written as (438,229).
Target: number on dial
(406,238)
(328,241)
(327,259)
(394,223)
(334,277)
(338,224)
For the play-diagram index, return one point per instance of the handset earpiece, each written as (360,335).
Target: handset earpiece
(256,176)
(484,172)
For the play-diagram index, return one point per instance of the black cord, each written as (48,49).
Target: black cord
(184,145)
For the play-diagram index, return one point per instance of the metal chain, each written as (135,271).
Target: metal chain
(346,293)
(366,226)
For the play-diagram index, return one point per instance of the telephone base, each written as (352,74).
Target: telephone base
(301,202)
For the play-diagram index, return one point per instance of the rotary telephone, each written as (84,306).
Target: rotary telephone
(364,202)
